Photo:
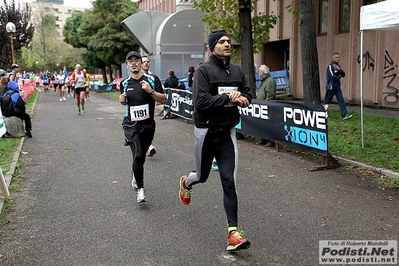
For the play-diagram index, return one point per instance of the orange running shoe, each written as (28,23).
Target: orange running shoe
(237,242)
(185,194)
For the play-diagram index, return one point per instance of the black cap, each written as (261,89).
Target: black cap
(14,66)
(214,37)
(133,53)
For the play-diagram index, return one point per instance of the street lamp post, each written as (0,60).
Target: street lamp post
(10,27)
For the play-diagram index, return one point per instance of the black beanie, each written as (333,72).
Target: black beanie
(214,37)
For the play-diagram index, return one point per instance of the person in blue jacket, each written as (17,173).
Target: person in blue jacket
(333,87)
(19,106)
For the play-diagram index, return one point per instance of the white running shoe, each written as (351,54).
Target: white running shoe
(151,150)
(134,183)
(60,99)
(141,196)
(63,98)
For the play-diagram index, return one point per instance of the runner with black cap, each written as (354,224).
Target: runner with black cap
(219,88)
(138,93)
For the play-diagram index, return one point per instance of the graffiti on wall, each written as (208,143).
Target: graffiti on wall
(391,95)
(368,61)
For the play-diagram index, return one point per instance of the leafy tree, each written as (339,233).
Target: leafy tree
(310,61)
(252,32)
(100,32)
(70,30)
(20,16)
(46,45)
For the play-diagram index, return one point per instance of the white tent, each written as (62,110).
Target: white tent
(379,16)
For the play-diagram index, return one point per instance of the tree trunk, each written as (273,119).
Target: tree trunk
(110,73)
(310,61)
(247,55)
(104,70)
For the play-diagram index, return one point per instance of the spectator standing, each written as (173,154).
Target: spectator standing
(14,74)
(220,87)
(333,87)
(190,77)
(79,79)
(19,107)
(267,91)
(172,81)
(138,93)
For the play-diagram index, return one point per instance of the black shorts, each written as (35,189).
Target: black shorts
(138,131)
(78,90)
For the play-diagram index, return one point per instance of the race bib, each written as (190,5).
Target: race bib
(226,90)
(139,112)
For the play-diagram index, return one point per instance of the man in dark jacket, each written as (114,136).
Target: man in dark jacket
(333,87)
(19,106)
(219,88)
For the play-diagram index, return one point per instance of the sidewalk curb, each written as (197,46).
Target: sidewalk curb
(13,166)
(382,171)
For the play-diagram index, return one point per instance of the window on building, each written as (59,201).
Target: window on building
(323,16)
(344,15)
(369,2)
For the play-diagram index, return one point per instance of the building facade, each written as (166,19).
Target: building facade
(337,30)
(58,10)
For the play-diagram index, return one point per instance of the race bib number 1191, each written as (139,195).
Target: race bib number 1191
(140,112)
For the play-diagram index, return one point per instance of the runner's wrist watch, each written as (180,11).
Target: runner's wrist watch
(152,92)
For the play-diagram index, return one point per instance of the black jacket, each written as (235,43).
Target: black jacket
(211,106)
(171,82)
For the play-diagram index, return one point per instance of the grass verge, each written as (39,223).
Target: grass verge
(8,146)
(381,139)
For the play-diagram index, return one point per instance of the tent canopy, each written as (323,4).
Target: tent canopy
(380,16)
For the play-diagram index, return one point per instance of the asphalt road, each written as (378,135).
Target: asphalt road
(76,206)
